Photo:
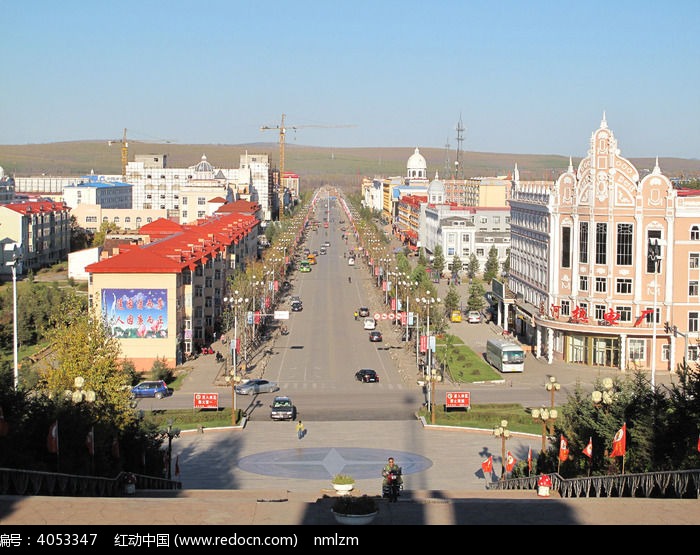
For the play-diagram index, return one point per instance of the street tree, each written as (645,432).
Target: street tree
(452,299)
(82,346)
(100,235)
(473,267)
(491,266)
(438,263)
(456,266)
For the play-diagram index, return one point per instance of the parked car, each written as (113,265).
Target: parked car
(297,306)
(375,336)
(367,375)
(363,312)
(369,324)
(157,389)
(474,317)
(351,261)
(282,408)
(251,387)
(456,316)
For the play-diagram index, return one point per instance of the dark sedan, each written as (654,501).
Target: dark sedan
(366,375)
(375,336)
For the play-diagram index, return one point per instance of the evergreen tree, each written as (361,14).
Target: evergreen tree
(456,265)
(473,267)
(452,299)
(505,267)
(438,260)
(491,266)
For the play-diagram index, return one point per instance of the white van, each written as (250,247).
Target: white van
(351,261)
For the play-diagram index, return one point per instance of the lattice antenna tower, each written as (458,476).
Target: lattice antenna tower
(459,171)
(448,169)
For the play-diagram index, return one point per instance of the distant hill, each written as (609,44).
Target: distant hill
(316,166)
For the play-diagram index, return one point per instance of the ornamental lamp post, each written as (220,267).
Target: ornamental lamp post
(605,397)
(80,394)
(552,386)
(545,416)
(503,432)
(169,433)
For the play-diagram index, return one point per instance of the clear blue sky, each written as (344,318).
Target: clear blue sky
(526,77)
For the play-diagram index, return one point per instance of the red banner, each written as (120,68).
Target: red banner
(423,343)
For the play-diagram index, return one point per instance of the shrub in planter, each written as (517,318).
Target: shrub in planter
(351,505)
(343,479)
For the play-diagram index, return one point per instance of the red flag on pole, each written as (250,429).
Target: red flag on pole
(529,458)
(52,438)
(588,449)
(510,462)
(487,465)
(563,449)
(90,441)
(620,442)
(699,443)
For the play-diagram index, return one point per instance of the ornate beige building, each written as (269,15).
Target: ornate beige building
(605,264)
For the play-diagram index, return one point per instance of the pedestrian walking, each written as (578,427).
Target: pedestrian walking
(356,315)
(300,429)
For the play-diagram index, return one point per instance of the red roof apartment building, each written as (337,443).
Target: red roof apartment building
(162,300)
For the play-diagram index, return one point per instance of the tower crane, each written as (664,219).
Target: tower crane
(282,128)
(125,153)
(125,150)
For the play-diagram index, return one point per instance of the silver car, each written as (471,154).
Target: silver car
(252,387)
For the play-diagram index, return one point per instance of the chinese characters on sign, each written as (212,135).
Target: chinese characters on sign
(136,313)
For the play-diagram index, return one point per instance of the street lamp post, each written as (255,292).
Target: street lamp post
(503,432)
(545,416)
(428,301)
(170,433)
(654,251)
(606,397)
(234,303)
(552,386)
(80,394)
(233,380)
(13,264)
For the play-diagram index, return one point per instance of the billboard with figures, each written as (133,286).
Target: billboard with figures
(136,313)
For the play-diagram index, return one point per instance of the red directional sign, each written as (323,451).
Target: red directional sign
(454,399)
(206,400)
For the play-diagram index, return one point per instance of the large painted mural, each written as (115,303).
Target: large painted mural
(136,313)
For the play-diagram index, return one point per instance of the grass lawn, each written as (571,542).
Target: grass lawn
(461,363)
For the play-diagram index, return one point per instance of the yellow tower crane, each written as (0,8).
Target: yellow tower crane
(125,149)
(125,153)
(282,128)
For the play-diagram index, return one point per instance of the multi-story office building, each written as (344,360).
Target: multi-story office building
(163,300)
(604,266)
(96,190)
(38,232)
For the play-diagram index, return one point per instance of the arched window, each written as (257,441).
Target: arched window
(695,233)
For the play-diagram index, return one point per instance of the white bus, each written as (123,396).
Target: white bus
(505,355)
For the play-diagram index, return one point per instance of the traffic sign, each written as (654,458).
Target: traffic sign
(281,315)
(206,400)
(455,399)
(377,316)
